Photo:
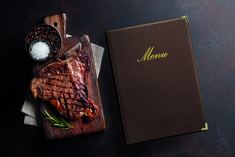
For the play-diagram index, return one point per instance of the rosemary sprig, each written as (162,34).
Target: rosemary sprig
(59,123)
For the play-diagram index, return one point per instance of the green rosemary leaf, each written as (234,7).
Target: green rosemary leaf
(65,123)
(59,123)
(64,129)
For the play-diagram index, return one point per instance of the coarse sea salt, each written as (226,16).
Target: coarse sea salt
(40,50)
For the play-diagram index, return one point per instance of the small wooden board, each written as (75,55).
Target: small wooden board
(80,126)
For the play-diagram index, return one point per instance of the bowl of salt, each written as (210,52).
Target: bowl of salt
(40,50)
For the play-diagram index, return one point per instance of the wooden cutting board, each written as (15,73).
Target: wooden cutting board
(80,126)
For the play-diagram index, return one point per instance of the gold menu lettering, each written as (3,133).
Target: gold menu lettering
(149,56)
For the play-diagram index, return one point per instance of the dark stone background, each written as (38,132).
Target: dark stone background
(212,26)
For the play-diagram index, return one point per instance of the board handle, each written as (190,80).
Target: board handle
(59,21)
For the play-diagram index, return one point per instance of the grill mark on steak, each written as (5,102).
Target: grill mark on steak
(64,85)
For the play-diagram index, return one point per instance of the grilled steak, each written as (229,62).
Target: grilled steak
(64,85)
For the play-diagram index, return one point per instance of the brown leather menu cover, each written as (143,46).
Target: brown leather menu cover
(156,80)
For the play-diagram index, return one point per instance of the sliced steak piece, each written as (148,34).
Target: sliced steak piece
(64,85)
